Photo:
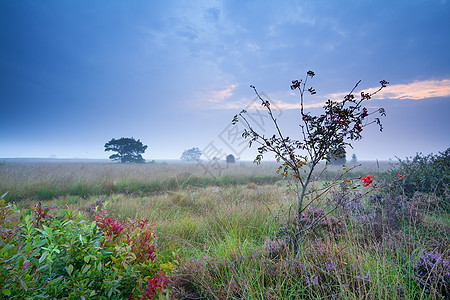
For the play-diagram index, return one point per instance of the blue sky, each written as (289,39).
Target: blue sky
(74,74)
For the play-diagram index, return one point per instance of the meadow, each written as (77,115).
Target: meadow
(226,236)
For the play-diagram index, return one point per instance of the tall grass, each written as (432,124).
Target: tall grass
(44,180)
(224,235)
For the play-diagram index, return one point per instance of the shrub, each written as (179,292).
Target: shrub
(46,252)
(425,173)
(321,274)
(323,137)
(433,274)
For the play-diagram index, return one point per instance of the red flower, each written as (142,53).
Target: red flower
(367,180)
(399,175)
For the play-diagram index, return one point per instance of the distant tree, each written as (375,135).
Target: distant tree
(192,154)
(128,150)
(338,157)
(231,159)
(354,159)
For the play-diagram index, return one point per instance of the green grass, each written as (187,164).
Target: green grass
(43,181)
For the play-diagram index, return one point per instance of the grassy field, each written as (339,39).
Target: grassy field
(45,179)
(225,235)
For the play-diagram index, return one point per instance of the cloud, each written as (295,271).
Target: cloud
(417,90)
(217,96)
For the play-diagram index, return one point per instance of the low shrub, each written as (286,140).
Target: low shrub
(47,252)
(329,271)
(433,274)
(422,173)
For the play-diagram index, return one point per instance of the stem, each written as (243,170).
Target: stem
(300,197)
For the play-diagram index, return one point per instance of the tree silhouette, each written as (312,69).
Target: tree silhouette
(128,150)
(230,159)
(192,154)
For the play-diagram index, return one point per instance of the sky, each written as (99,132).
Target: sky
(75,74)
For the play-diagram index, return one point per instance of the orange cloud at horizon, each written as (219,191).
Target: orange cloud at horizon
(417,90)
(218,96)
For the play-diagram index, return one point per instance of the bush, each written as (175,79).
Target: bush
(46,252)
(423,173)
(433,274)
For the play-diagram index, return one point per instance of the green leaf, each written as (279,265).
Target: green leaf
(35,253)
(60,278)
(45,266)
(6,291)
(42,231)
(46,228)
(11,251)
(21,260)
(23,284)
(85,269)
(28,248)
(99,266)
(43,257)
(87,258)
(40,244)
(69,269)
